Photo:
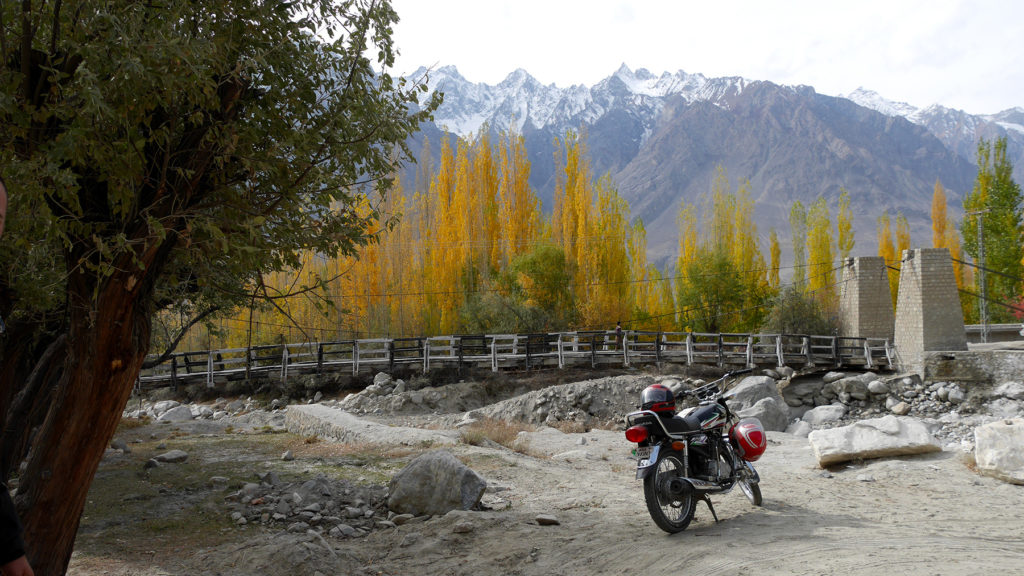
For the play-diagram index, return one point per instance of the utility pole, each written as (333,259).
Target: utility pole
(983,301)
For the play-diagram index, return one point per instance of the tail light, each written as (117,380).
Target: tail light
(636,434)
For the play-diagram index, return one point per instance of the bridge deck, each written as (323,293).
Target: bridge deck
(520,351)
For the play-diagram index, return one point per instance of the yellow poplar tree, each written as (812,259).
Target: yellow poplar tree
(844,225)
(887,251)
(821,268)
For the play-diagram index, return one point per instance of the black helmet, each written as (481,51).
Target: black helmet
(658,398)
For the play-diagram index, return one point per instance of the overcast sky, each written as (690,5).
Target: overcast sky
(962,54)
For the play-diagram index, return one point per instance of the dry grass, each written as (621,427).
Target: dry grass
(498,431)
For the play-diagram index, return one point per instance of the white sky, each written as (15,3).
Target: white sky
(962,54)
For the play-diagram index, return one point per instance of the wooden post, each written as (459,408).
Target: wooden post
(391,355)
(867,354)
(778,350)
(807,351)
(209,370)
(657,349)
(174,373)
(593,351)
(625,348)
(750,351)
(284,363)
(320,358)
(355,357)
(721,352)
(494,354)
(689,348)
(426,354)
(561,360)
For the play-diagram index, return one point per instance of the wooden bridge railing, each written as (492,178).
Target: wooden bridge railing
(517,351)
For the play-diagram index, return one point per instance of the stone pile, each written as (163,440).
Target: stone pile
(328,506)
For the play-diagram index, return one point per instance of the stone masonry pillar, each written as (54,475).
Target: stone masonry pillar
(928,314)
(865,303)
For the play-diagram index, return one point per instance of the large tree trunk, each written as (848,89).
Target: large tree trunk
(107,343)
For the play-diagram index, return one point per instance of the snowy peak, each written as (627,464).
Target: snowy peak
(521,100)
(874,101)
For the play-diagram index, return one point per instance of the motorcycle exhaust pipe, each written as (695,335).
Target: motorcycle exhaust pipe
(680,487)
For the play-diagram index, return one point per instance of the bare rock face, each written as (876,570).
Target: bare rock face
(435,483)
(999,450)
(874,438)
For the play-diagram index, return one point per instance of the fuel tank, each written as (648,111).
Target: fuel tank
(705,416)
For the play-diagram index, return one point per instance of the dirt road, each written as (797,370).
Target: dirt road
(926,515)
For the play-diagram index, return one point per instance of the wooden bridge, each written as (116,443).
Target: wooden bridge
(519,351)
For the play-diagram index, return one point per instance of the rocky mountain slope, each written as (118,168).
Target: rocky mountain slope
(662,139)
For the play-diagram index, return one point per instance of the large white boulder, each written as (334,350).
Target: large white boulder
(999,450)
(773,414)
(874,438)
(822,414)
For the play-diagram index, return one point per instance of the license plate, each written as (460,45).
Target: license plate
(642,452)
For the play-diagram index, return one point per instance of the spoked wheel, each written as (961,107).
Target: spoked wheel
(748,483)
(751,490)
(671,508)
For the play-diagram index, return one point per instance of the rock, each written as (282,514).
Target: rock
(287,456)
(751,390)
(874,438)
(773,414)
(771,374)
(172,457)
(435,483)
(900,409)
(400,519)
(799,428)
(176,414)
(785,371)
(1011,390)
(999,450)
(382,379)
(832,377)
(956,395)
(547,520)
(118,444)
(163,406)
(318,396)
(822,414)
(854,387)
(878,387)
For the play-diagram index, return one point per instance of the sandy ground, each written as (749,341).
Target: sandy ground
(927,515)
(921,515)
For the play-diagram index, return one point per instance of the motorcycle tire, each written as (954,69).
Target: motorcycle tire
(670,514)
(751,490)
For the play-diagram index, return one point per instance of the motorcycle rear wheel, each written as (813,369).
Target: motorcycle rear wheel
(671,514)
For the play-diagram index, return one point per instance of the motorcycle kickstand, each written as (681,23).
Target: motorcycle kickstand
(710,507)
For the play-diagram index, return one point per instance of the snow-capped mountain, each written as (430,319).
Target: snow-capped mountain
(521,102)
(663,137)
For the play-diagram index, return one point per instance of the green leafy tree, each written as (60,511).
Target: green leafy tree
(995,201)
(162,153)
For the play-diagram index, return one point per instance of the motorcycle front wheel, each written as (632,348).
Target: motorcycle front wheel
(751,490)
(672,513)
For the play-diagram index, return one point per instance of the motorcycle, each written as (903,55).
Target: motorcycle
(686,457)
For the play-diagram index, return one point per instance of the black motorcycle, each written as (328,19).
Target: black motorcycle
(686,457)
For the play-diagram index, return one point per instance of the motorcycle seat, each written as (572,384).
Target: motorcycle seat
(682,423)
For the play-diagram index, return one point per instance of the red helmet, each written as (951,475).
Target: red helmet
(658,398)
(749,438)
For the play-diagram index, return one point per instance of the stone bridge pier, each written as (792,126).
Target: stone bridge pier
(927,316)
